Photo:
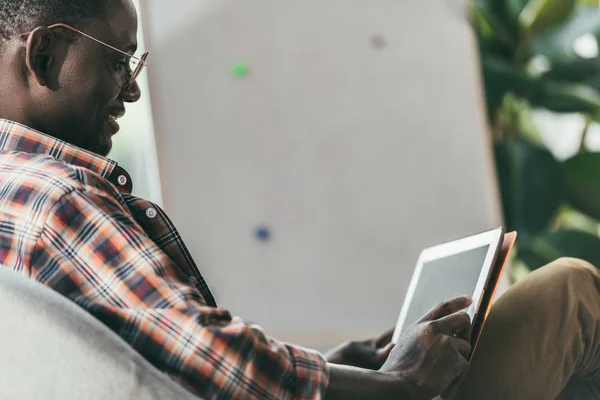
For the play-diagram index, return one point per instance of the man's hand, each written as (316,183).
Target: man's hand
(368,354)
(429,359)
(432,354)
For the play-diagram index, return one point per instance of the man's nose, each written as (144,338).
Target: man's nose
(132,93)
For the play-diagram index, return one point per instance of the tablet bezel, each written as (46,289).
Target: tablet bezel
(492,238)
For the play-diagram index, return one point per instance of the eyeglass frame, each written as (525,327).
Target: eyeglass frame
(133,74)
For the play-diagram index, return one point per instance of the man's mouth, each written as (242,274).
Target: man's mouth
(113,124)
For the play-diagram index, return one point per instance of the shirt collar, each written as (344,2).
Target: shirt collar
(18,137)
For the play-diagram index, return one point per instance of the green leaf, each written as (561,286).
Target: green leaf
(576,69)
(557,43)
(531,185)
(571,218)
(549,246)
(518,115)
(594,82)
(500,77)
(505,13)
(566,97)
(491,29)
(515,7)
(541,15)
(481,22)
(582,174)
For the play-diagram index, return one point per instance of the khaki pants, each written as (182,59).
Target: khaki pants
(542,339)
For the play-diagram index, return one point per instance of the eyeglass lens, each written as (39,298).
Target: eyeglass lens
(135,66)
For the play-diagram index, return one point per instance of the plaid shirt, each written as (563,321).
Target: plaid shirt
(69,221)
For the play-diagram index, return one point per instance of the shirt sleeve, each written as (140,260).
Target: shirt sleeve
(93,252)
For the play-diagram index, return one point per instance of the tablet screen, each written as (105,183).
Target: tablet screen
(444,279)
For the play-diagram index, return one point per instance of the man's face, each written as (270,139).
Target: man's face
(88,95)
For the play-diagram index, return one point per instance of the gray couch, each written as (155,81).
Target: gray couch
(52,349)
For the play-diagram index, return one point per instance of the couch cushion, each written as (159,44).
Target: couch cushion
(53,349)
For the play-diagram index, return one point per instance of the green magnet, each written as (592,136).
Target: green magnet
(240,69)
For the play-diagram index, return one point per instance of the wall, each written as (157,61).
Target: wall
(134,147)
(356,157)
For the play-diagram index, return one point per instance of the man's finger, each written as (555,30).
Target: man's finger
(384,352)
(384,339)
(450,392)
(448,307)
(466,334)
(360,351)
(457,347)
(463,347)
(457,324)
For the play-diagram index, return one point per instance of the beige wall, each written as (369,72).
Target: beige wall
(134,148)
(357,158)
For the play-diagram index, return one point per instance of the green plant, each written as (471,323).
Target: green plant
(529,63)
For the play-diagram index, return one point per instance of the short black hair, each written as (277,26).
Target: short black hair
(19,16)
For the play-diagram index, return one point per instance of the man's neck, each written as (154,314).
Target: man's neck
(15,110)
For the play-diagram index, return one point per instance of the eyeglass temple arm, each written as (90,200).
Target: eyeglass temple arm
(26,35)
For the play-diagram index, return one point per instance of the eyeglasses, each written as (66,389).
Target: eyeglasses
(136,65)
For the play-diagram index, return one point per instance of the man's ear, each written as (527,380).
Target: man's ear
(39,56)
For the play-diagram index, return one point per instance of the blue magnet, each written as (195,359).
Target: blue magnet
(263,233)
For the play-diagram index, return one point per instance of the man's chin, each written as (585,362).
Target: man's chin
(102,147)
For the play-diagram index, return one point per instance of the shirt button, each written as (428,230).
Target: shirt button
(122,180)
(151,213)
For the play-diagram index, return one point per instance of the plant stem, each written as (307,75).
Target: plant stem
(586,129)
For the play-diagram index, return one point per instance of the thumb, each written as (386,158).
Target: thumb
(384,352)
(381,356)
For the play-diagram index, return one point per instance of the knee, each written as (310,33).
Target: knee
(568,265)
(571,271)
(566,284)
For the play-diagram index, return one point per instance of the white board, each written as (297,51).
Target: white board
(356,157)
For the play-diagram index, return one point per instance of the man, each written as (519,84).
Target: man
(68,220)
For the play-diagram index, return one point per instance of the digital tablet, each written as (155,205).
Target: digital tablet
(490,290)
(464,267)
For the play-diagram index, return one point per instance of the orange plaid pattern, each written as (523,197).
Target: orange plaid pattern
(68,220)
